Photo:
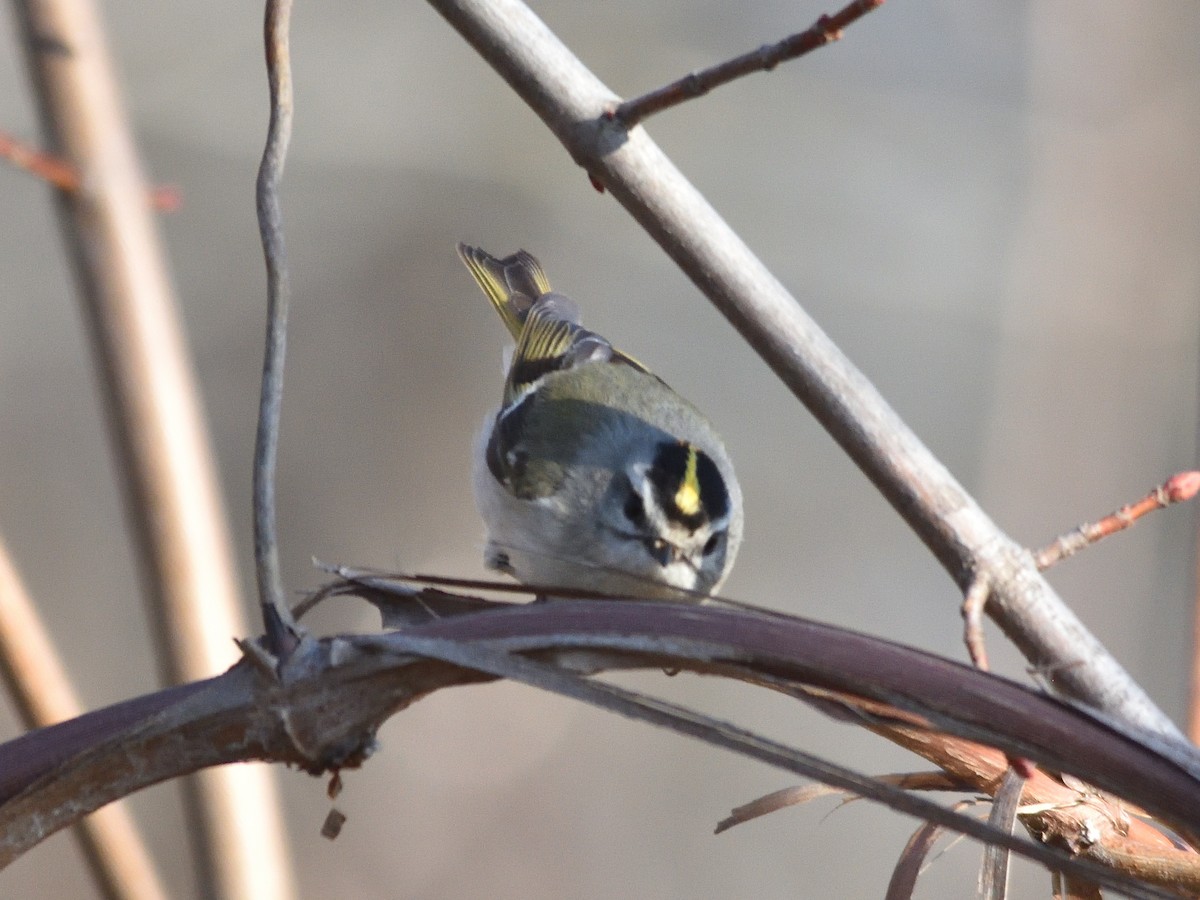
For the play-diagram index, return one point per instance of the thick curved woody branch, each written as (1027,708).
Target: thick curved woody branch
(321,708)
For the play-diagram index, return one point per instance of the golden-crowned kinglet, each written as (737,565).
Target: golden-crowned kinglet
(594,474)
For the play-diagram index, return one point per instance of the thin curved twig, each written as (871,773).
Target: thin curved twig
(280,626)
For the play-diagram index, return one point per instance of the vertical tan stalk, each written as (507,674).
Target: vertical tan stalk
(167,473)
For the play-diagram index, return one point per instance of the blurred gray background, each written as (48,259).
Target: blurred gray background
(994,207)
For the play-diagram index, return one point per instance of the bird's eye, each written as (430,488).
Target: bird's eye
(711,544)
(635,510)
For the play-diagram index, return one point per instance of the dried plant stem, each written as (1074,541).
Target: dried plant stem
(41,691)
(806,793)
(910,863)
(278,622)
(1057,808)
(825,30)
(993,871)
(574,104)
(1096,825)
(167,472)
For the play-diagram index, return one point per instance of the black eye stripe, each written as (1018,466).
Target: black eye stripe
(713,493)
(635,510)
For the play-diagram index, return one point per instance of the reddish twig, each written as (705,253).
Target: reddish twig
(825,30)
(1179,487)
(50,168)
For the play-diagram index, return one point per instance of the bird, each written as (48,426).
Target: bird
(594,474)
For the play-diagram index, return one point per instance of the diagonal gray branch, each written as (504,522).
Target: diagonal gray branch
(577,108)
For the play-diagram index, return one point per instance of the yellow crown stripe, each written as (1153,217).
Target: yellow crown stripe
(687,498)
